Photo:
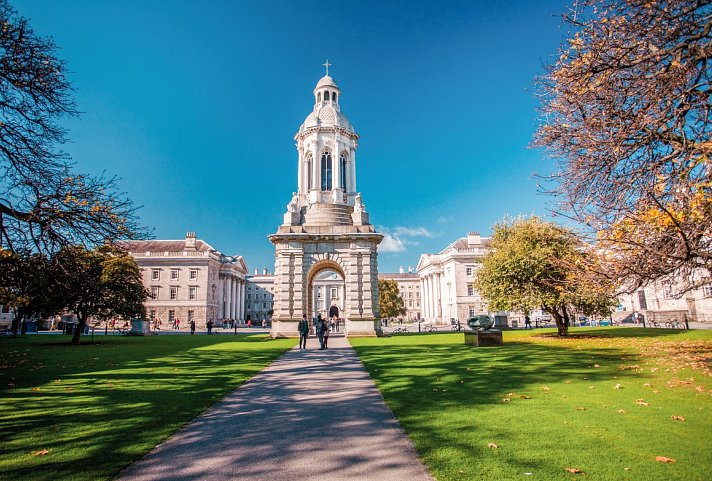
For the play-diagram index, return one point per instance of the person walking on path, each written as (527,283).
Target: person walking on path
(303,328)
(527,322)
(192,327)
(326,334)
(209,325)
(320,331)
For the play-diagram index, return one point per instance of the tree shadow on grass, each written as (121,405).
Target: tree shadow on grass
(422,378)
(97,407)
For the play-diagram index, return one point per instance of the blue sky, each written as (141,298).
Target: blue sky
(194,105)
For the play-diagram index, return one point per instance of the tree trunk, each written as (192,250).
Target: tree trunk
(15,324)
(562,325)
(80,328)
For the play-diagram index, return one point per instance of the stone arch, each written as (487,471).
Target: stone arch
(314,269)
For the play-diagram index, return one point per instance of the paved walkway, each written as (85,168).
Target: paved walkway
(310,415)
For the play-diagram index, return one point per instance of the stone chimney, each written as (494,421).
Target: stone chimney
(264,271)
(257,271)
(410,269)
(190,241)
(401,270)
(474,239)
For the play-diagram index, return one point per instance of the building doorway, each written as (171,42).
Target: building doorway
(326,291)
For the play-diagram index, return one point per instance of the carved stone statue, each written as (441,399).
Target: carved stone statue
(358,203)
(292,206)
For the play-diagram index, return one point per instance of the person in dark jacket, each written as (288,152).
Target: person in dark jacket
(320,331)
(303,328)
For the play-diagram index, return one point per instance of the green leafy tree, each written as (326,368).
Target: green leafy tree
(24,281)
(102,283)
(44,204)
(536,264)
(389,299)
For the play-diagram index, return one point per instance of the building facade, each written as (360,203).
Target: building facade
(447,281)
(657,303)
(326,228)
(189,280)
(409,286)
(259,301)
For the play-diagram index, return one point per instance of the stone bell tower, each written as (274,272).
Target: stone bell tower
(326,226)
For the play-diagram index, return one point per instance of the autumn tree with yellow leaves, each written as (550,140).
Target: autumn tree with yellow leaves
(626,112)
(44,204)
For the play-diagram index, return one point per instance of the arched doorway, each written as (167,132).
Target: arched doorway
(326,290)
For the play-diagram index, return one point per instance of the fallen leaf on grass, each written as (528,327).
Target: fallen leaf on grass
(678,418)
(492,445)
(506,400)
(663,459)
(36,389)
(575,470)
(626,469)
(580,409)
(596,365)
(621,411)
(510,394)
(641,402)
(647,384)
(525,397)
(617,386)
(700,389)
(40,453)
(435,390)
(545,389)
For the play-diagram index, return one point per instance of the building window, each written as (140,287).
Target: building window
(309,169)
(174,293)
(171,316)
(264,296)
(417,295)
(707,291)
(334,293)
(264,305)
(326,171)
(192,293)
(410,294)
(468,271)
(410,303)
(470,290)
(193,274)
(155,275)
(154,292)
(472,311)
(642,301)
(174,274)
(191,313)
(342,170)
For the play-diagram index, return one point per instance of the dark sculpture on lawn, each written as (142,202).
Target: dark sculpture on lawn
(480,322)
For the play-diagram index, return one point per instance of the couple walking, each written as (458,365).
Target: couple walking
(322,332)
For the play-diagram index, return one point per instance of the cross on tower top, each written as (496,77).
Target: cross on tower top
(327,65)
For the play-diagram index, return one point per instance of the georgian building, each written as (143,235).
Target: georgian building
(657,303)
(188,280)
(259,300)
(447,280)
(409,288)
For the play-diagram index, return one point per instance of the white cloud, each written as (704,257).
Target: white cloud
(412,232)
(444,219)
(391,244)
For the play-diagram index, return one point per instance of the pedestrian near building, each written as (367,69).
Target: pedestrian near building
(303,328)
(319,325)
(209,325)
(192,327)
(527,322)
(326,334)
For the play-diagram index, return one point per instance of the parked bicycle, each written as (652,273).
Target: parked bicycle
(674,324)
(457,327)
(400,329)
(430,328)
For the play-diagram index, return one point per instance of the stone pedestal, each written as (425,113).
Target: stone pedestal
(484,338)
(140,327)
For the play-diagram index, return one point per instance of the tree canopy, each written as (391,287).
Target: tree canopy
(626,111)
(100,284)
(389,299)
(535,264)
(44,204)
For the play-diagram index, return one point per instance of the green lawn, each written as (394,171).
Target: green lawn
(601,402)
(97,407)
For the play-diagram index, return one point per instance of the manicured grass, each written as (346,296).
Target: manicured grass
(98,407)
(601,401)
